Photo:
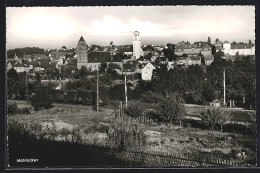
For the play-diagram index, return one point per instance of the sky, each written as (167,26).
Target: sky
(54,27)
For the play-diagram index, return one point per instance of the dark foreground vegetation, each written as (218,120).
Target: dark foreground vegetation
(54,154)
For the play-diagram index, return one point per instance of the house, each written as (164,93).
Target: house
(206,50)
(182,60)
(127,50)
(147,71)
(195,49)
(209,59)
(187,49)
(187,61)
(218,45)
(96,58)
(130,68)
(215,103)
(240,48)
(195,60)
(116,65)
(21,67)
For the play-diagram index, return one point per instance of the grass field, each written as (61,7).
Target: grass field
(174,139)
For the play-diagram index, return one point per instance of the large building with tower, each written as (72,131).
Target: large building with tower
(82,53)
(137,50)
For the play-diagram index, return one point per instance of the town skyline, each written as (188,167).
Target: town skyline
(52,27)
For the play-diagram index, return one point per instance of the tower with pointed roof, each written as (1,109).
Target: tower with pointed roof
(82,53)
(137,50)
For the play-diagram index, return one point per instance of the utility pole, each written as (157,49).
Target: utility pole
(26,78)
(125,92)
(97,93)
(224,84)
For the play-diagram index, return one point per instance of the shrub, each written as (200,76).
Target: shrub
(25,110)
(214,116)
(134,109)
(125,132)
(153,114)
(151,97)
(41,100)
(12,108)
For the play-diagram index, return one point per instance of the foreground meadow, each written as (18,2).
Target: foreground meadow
(82,125)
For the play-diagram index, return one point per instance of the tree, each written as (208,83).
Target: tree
(169,51)
(171,108)
(12,79)
(209,40)
(103,67)
(41,100)
(133,109)
(214,116)
(38,79)
(151,97)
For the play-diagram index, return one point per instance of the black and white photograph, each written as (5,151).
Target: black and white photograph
(131,86)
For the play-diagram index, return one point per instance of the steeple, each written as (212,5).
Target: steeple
(81,39)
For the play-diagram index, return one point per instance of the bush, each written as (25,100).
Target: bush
(41,100)
(25,110)
(151,97)
(12,108)
(133,109)
(126,133)
(154,115)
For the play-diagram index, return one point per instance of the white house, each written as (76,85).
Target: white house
(19,67)
(241,49)
(147,71)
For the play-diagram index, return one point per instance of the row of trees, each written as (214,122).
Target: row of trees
(197,85)
(20,52)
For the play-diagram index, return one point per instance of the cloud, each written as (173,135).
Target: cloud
(42,24)
(111,26)
(108,26)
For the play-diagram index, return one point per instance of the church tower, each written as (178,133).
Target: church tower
(137,50)
(82,53)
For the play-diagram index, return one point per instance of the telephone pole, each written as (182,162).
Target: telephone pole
(27,92)
(125,92)
(224,84)
(97,93)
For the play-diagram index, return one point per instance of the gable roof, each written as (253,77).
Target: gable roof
(149,64)
(225,41)
(19,64)
(99,57)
